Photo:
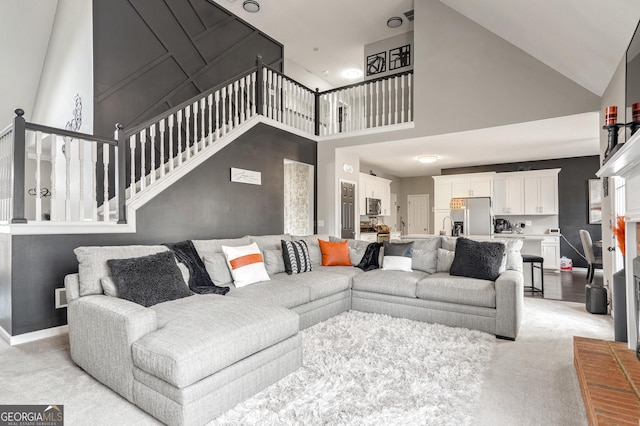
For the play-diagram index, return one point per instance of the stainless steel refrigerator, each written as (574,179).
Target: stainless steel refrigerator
(474,214)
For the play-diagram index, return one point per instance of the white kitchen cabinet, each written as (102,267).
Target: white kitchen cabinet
(508,194)
(442,193)
(471,186)
(550,248)
(375,187)
(541,193)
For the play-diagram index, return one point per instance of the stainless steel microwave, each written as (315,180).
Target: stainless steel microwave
(374,206)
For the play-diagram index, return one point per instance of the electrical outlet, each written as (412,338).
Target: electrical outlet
(527,223)
(320,223)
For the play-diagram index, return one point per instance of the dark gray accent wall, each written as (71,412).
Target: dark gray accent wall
(572,196)
(204,204)
(5,282)
(152,55)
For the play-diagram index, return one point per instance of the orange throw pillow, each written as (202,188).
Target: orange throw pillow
(334,253)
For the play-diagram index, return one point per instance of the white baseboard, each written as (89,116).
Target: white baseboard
(33,336)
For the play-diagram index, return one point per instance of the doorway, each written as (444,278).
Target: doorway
(347,210)
(298,198)
(418,214)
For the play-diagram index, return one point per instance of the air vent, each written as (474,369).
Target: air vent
(409,15)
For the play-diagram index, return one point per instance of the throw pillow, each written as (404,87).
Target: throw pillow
(477,259)
(397,256)
(296,257)
(109,286)
(445,259)
(273,262)
(246,264)
(148,280)
(335,253)
(217,268)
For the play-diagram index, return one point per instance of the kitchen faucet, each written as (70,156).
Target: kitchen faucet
(444,220)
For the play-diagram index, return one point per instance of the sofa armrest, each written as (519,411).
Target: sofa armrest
(509,303)
(72,286)
(101,331)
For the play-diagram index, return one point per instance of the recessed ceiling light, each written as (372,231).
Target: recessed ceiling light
(251,6)
(428,159)
(352,73)
(394,22)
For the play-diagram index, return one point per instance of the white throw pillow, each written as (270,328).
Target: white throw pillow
(246,264)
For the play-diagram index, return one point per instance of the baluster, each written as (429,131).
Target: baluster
(143,159)
(179,119)
(162,155)
(217,98)
(402,96)
(81,158)
(253,93)
(377,110)
(38,178)
(265,92)
(382,103)
(132,146)
(361,107)
(196,139)
(210,103)
(152,172)
(286,102)
(105,162)
(271,90)
(67,196)
(242,115)
(371,105)
(389,91)
(187,128)
(94,181)
(395,112)
(236,117)
(409,97)
(54,192)
(203,123)
(231,106)
(224,112)
(334,112)
(245,96)
(279,98)
(171,157)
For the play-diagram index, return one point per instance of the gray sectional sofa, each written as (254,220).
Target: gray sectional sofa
(186,361)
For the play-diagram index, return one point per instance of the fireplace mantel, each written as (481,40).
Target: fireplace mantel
(625,163)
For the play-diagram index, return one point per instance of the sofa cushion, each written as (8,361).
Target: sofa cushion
(277,292)
(395,283)
(445,259)
(203,334)
(209,247)
(512,258)
(148,280)
(296,257)
(92,263)
(319,283)
(269,242)
(349,271)
(442,287)
(246,264)
(335,253)
(477,259)
(217,268)
(312,245)
(425,254)
(273,262)
(397,256)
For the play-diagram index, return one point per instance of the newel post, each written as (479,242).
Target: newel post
(121,173)
(259,86)
(18,167)
(316,117)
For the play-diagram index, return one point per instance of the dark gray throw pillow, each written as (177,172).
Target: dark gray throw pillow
(148,280)
(477,259)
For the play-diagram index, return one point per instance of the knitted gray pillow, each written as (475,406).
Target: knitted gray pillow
(148,280)
(476,259)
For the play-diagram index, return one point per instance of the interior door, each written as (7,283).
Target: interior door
(347,209)
(418,214)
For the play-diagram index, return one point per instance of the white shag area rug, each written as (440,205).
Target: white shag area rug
(371,369)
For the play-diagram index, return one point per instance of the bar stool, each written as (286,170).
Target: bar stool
(532,259)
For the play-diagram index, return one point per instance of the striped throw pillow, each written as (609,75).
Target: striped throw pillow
(246,264)
(296,257)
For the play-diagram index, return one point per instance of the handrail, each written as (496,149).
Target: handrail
(68,133)
(288,78)
(387,77)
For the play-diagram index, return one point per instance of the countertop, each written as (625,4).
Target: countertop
(498,236)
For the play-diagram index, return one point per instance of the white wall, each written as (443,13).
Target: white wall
(67,71)
(385,46)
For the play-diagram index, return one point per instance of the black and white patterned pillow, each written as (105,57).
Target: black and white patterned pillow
(296,257)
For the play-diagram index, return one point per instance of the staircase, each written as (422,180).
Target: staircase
(85,183)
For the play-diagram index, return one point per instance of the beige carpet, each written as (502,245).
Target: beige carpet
(530,381)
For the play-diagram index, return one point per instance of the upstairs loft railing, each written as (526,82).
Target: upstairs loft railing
(72,177)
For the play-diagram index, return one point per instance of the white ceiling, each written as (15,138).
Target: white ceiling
(582,39)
